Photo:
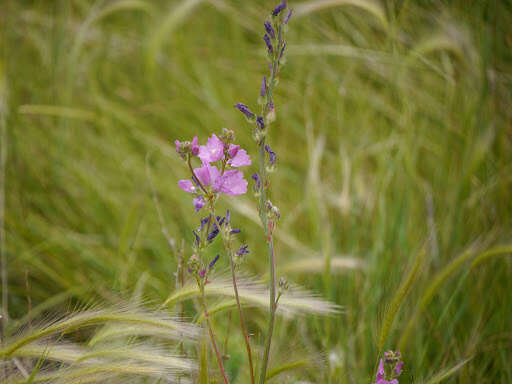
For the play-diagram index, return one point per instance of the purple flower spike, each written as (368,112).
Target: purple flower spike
(263,90)
(259,122)
(245,110)
(213,151)
(271,155)
(212,263)
(199,203)
(269,44)
(269,29)
(243,250)
(277,10)
(288,16)
(234,231)
(231,183)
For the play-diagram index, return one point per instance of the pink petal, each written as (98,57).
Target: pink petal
(207,174)
(194,146)
(398,368)
(233,149)
(380,370)
(232,183)
(212,151)
(187,186)
(241,159)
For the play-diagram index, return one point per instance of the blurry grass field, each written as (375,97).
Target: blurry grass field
(394,140)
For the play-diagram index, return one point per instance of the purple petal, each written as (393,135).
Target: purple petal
(233,149)
(269,44)
(177,144)
(212,263)
(245,110)
(398,368)
(232,183)
(380,370)
(263,90)
(277,10)
(241,159)
(187,186)
(259,122)
(202,272)
(199,203)
(213,151)
(287,18)
(194,147)
(269,29)
(207,174)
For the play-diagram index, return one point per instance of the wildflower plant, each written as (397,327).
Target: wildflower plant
(219,170)
(389,368)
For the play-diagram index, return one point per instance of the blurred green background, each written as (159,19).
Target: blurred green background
(393,135)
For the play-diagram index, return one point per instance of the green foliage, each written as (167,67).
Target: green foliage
(393,132)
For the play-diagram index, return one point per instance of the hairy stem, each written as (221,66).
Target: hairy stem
(212,335)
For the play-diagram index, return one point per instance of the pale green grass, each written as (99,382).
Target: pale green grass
(393,135)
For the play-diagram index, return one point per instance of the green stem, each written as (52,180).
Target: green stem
(229,249)
(210,331)
(263,216)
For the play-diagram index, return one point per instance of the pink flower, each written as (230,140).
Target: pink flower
(212,151)
(207,174)
(187,186)
(231,183)
(240,159)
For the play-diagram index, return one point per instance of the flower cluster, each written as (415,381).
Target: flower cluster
(209,180)
(389,368)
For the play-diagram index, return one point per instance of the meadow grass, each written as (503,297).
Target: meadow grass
(393,136)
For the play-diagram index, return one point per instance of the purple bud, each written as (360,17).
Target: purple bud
(213,234)
(204,221)
(228,217)
(202,272)
(259,122)
(198,239)
(270,67)
(257,182)
(282,51)
(234,231)
(243,250)
(245,110)
(271,155)
(277,10)
(287,18)
(263,90)
(269,44)
(212,263)
(269,29)
(199,203)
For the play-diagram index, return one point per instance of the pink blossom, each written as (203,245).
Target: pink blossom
(231,183)
(207,174)
(212,151)
(240,159)
(187,186)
